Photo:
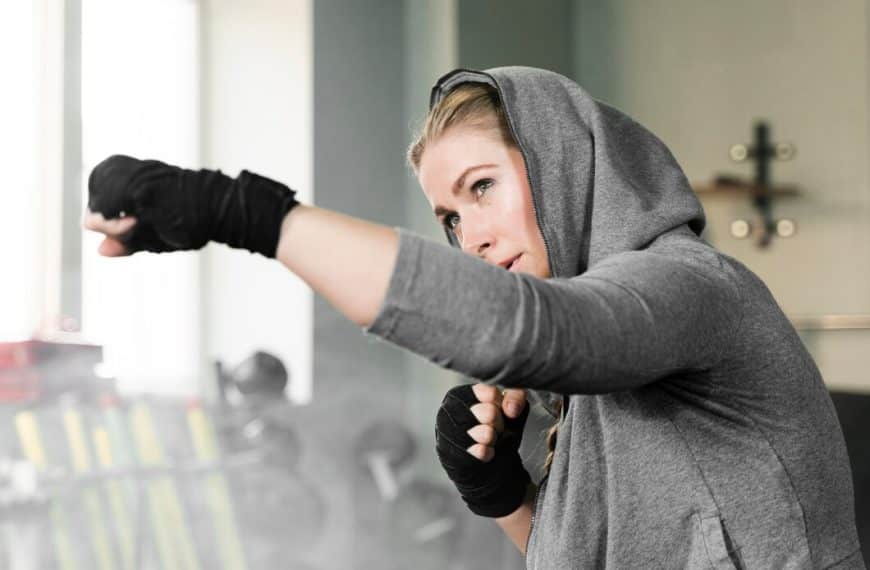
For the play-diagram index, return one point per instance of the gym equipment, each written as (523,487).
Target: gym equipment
(258,420)
(281,512)
(407,522)
(124,461)
(383,449)
(140,459)
(173,535)
(117,501)
(274,440)
(42,370)
(261,376)
(82,465)
(27,426)
(219,501)
(425,523)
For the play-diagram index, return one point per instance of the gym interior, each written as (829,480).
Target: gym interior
(205,409)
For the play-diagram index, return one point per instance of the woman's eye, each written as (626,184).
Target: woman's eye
(451,221)
(482,185)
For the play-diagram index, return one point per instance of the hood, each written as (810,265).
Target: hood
(601,182)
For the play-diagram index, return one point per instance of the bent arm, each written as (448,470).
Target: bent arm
(634,318)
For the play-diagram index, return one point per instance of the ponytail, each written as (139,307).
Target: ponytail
(551,439)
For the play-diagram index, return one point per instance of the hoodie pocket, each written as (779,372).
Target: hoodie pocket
(719,551)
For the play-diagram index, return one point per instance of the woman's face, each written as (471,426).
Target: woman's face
(478,187)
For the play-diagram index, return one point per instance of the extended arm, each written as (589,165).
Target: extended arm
(633,318)
(347,260)
(630,320)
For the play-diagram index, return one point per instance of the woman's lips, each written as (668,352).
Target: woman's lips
(512,266)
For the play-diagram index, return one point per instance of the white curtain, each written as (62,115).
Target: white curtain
(21,256)
(140,97)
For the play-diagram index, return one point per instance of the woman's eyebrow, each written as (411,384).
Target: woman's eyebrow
(457,186)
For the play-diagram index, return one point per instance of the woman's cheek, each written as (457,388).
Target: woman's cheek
(511,206)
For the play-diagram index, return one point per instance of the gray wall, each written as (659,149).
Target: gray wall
(358,171)
(513,32)
(357,131)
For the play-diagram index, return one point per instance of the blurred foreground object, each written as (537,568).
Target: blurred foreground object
(43,370)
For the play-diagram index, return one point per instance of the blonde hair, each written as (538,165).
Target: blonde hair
(551,438)
(470,105)
(475,106)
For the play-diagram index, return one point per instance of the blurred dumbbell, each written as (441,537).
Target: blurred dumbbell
(260,376)
(383,449)
(283,515)
(255,387)
(259,379)
(426,511)
(275,440)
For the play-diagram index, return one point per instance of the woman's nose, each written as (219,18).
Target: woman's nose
(476,249)
(476,235)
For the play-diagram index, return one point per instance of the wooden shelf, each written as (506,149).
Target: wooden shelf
(724,185)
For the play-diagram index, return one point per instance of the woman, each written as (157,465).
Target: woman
(695,429)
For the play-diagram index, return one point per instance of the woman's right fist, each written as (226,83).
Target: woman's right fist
(179,209)
(478,446)
(170,214)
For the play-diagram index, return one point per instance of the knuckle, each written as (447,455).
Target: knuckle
(488,454)
(486,413)
(489,435)
(478,390)
(483,434)
(485,392)
(474,433)
(476,450)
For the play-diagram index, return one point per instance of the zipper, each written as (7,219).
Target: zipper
(538,218)
(528,177)
(534,513)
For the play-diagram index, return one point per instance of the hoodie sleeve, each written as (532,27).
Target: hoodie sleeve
(632,319)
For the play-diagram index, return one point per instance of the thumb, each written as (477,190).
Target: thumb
(513,402)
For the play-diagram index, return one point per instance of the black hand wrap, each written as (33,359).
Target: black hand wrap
(492,488)
(180,209)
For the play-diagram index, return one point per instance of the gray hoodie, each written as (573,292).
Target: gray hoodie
(696,431)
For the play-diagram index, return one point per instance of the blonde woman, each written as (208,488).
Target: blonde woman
(695,430)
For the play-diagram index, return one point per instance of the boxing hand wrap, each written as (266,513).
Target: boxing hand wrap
(494,488)
(179,209)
